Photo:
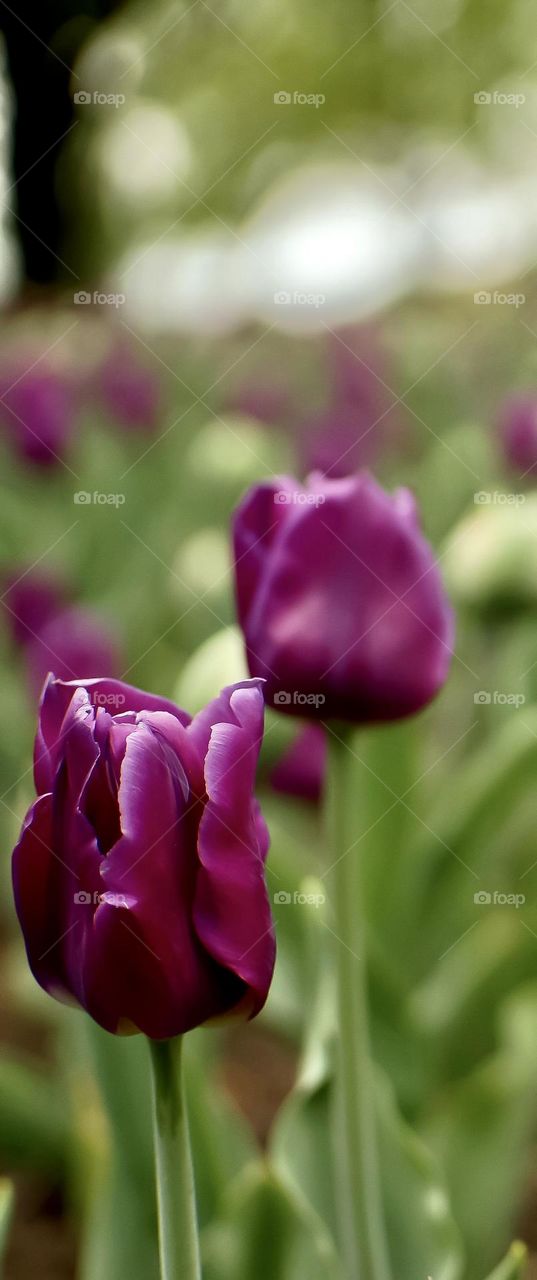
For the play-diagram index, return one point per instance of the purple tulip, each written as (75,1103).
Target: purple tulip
(301,771)
(30,600)
(130,392)
(71,640)
(518,429)
(37,412)
(362,418)
(340,599)
(138,877)
(266,402)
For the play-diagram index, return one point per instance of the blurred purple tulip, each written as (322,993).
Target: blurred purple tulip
(518,431)
(71,640)
(362,416)
(37,413)
(301,770)
(139,875)
(340,599)
(268,403)
(30,599)
(130,391)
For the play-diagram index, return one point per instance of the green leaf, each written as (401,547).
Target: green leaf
(33,1123)
(267,1231)
(512,1267)
(423,1236)
(482,1132)
(222,1142)
(6,1213)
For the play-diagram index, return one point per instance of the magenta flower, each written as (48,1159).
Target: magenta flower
(518,430)
(301,770)
(30,600)
(362,418)
(131,393)
(138,877)
(340,599)
(71,640)
(37,411)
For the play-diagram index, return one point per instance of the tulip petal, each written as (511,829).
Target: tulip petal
(111,694)
(231,907)
(158,975)
(256,525)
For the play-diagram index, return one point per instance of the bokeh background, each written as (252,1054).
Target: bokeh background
(239,239)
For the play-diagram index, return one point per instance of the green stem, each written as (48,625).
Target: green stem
(359,1195)
(178,1230)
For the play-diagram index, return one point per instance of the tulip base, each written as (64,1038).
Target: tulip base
(363,1231)
(178,1230)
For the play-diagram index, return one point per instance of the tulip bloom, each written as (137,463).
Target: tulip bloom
(73,639)
(30,601)
(301,771)
(340,599)
(518,430)
(130,392)
(37,412)
(138,876)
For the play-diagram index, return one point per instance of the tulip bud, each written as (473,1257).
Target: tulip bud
(518,429)
(37,412)
(70,641)
(301,770)
(340,599)
(130,391)
(138,876)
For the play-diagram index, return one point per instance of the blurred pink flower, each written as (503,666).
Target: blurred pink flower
(73,644)
(357,424)
(30,600)
(302,768)
(518,432)
(130,391)
(37,413)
